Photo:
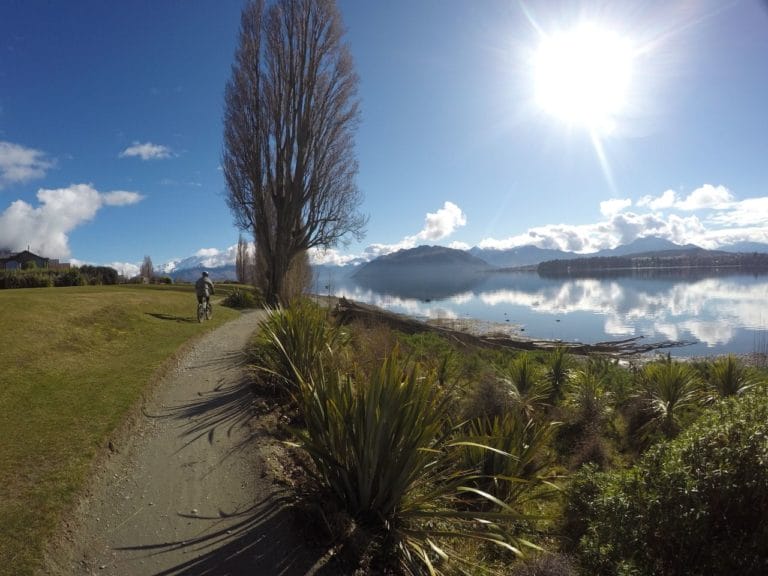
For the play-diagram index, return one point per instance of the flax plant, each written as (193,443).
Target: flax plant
(383,448)
(728,377)
(671,390)
(511,454)
(528,387)
(292,343)
(588,395)
(558,372)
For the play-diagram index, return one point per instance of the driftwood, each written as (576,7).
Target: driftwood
(347,311)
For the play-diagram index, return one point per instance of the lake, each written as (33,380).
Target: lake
(721,312)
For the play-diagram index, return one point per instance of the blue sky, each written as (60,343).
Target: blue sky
(110,126)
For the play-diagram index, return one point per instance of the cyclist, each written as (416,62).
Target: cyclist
(204,288)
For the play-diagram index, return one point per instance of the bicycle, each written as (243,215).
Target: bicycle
(204,309)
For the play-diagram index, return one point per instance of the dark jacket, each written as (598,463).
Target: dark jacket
(204,286)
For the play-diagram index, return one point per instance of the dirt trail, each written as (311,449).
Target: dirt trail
(189,490)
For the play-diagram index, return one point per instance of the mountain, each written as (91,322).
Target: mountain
(423,273)
(641,246)
(520,256)
(683,258)
(748,247)
(424,260)
(217,274)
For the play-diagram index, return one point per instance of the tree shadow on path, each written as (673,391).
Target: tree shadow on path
(263,541)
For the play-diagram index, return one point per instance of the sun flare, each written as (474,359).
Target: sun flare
(582,76)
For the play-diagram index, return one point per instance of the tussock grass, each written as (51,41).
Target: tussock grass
(73,361)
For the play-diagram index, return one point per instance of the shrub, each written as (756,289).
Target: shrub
(588,402)
(696,505)
(527,383)
(382,448)
(69,277)
(33,278)
(240,299)
(513,469)
(727,376)
(558,366)
(292,343)
(671,391)
(545,565)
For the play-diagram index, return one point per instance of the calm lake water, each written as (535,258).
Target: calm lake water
(720,313)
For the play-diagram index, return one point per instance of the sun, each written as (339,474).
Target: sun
(582,76)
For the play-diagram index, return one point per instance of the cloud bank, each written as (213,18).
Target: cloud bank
(146,151)
(20,164)
(710,217)
(46,227)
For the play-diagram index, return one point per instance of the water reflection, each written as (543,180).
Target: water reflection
(723,313)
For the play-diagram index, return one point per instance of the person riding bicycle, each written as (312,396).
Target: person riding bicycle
(204,288)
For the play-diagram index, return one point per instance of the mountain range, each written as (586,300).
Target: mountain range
(443,261)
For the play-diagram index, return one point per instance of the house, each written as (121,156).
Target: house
(27,259)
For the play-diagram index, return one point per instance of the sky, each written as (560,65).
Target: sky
(576,125)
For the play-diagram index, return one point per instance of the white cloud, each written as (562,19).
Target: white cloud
(146,151)
(724,220)
(121,198)
(213,257)
(703,198)
(127,269)
(749,212)
(208,252)
(457,245)
(666,200)
(614,206)
(330,256)
(46,227)
(21,164)
(620,229)
(437,225)
(442,223)
(707,196)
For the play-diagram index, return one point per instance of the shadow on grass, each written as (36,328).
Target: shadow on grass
(159,316)
(261,540)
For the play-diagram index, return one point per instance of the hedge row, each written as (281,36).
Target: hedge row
(43,278)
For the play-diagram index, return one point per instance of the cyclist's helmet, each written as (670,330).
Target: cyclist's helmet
(205,273)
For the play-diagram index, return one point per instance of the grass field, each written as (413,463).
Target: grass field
(73,361)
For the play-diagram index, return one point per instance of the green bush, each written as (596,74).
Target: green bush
(696,505)
(99,275)
(527,383)
(671,393)
(291,345)
(239,298)
(385,452)
(69,277)
(33,278)
(727,376)
(514,469)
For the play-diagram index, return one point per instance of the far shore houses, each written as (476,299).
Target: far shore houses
(26,259)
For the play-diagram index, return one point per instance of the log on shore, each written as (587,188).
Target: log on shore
(347,311)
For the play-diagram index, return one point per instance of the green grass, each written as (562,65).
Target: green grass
(73,361)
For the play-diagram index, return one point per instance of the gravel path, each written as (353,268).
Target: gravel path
(189,490)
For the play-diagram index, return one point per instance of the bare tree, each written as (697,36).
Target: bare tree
(241,261)
(147,271)
(291,111)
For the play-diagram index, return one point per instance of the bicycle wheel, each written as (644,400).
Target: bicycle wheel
(200,312)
